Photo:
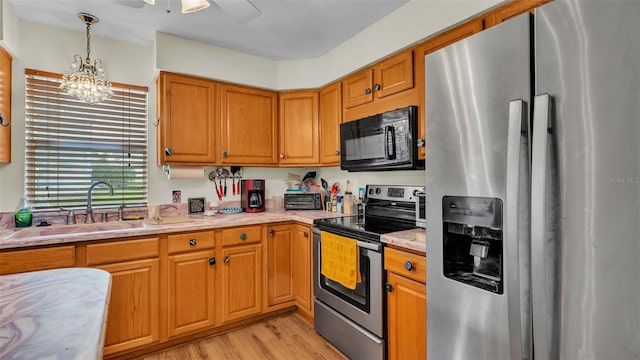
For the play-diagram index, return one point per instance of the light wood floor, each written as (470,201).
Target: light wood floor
(284,337)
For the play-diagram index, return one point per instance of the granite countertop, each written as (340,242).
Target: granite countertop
(54,314)
(414,239)
(62,234)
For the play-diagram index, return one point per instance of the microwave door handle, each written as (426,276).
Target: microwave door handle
(389,143)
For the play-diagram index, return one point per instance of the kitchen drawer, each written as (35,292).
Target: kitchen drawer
(397,261)
(191,241)
(243,235)
(123,250)
(19,261)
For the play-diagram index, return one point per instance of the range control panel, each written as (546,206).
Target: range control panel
(406,193)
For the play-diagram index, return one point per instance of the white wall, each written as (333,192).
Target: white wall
(48,48)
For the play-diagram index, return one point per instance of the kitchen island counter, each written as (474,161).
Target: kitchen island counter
(54,314)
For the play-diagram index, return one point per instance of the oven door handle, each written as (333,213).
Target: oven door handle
(370,246)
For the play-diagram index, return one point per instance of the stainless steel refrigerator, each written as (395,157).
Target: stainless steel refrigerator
(533,187)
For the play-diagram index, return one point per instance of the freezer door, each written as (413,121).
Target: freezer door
(586,181)
(477,107)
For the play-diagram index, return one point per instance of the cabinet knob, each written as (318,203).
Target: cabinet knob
(281,156)
(243,236)
(408,265)
(2,122)
(376,87)
(192,242)
(225,154)
(337,152)
(271,232)
(168,151)
(212,261)
(306,234)
(226,260)
(420,142)
(367,91)
(388,287)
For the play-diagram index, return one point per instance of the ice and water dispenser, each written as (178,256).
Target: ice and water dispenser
(472,241)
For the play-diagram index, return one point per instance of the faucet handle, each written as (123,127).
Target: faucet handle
(121,212)
(71,218)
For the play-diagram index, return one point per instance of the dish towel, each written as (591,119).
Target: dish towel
(340,259)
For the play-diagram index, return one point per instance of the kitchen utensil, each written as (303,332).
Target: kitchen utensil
(219,174)
(225,174)
(212,177)
(234,171)
(239,172)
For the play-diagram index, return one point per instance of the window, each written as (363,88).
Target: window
(71,144)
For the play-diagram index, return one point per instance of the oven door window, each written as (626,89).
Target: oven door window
(358,297)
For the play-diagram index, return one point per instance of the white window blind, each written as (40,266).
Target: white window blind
(71,144)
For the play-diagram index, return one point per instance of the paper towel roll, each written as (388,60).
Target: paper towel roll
(184,172)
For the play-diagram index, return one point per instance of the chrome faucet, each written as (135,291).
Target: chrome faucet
(89,219)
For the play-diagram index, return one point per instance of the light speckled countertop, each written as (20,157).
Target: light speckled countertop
(408,239)
(54,314)
(63,234)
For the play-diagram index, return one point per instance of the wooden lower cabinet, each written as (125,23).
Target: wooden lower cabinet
(302,269)
(406,305)
(133,317)
(279,264)
(18,261)
(191,288)
(241,282)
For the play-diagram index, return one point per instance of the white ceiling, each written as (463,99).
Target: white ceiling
(285,29)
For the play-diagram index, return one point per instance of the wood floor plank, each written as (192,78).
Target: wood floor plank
(280,338)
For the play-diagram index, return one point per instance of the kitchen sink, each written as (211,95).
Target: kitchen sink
(62,230)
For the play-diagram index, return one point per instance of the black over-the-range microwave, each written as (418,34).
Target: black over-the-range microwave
(385,141)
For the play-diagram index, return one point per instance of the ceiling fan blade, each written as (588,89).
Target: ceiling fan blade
(137,4)
(242,11)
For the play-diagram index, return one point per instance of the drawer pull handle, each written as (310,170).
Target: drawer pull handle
(367,91)
(212,261)
(408,265)
(271,232)
(243,236)
(226,259)
(192,242)
(388,287)
(376,87)
(306,234)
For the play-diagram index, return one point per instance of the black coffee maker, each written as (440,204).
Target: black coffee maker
(252,195)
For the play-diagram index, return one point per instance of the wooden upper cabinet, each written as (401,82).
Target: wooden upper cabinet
(330,120)
(430,45)
(388,77)
(393,75)
(299,128)
(5,106)
(511,9)
(249,126)
(187,126)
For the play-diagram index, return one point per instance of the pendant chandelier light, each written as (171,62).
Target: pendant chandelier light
(86,81)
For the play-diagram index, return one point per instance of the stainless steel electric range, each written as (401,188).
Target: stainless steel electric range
(353,320)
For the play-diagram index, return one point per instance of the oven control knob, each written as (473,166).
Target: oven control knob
(388,287)
(370,191)
(408,265)
(378,191)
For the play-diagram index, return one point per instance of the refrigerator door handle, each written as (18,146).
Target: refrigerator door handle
(541,308)
(516,130)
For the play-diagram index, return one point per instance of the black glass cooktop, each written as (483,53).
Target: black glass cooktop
(362,227)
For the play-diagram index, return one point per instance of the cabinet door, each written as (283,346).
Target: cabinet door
(302,269)
(358,88)
(241,282)
(406,318)
(279,264)
(393,75)
(330,120)
(133,306)
(299,128)
(5,106)
(249,126)
(186,130)
(427,47)
(191,292)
